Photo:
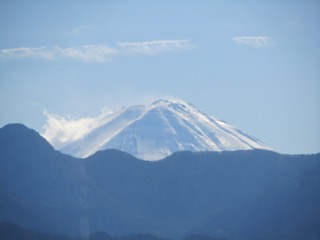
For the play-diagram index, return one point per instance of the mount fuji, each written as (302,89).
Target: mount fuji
(156,130)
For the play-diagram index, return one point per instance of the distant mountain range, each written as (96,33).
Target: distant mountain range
(157,130)
(252,194)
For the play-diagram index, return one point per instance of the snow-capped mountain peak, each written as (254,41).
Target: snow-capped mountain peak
(156,130)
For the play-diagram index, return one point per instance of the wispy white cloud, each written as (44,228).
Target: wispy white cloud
(97,53)
(79,30)
(294,23)
(60,130)
(154,47)
(88,53)
(24,52)
(255,41)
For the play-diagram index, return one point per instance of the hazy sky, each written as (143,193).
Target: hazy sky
(254,64)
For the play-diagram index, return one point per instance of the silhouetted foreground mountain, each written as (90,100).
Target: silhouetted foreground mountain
(235,195)
(11,231)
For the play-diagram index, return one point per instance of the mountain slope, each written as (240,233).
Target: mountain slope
(154,131)
(45,190)
(235,195)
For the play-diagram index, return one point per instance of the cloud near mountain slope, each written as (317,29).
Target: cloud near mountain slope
(149,132)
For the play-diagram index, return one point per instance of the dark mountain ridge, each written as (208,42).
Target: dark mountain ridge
(253,194)
(11,231)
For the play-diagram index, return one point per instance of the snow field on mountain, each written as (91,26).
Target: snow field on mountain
(156,130)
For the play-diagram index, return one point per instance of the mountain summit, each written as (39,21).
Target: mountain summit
(156,130)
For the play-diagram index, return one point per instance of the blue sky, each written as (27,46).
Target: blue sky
(254,64)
